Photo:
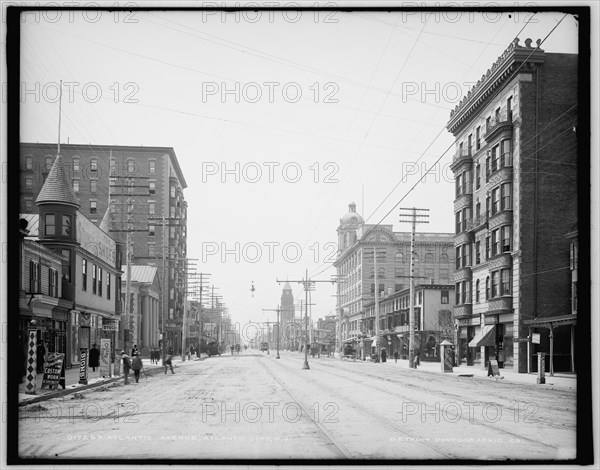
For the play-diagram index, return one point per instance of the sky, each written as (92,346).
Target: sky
(278,119)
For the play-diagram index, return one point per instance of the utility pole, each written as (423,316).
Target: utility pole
(377,345)
(414,218)
(341,279)
(184,324)
(308,285)
(275,310)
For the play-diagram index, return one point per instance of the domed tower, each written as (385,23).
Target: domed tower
(57,207)
(348,226)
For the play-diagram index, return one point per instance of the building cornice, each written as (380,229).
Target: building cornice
(499,73)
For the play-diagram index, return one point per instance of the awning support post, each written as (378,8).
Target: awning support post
(551,351)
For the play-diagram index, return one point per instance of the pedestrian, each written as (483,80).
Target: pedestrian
(134,350)
(126,365)
(169,363)
(232,348)
(417,359)
(395,356)
(94,360)
(137,366)
(40,353)
(383,355)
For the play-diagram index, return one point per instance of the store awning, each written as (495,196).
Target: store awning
(486,337)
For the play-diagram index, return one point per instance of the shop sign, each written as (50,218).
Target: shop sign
(54,370)
(535,338)
(83,359)
(105,356)
(110,325)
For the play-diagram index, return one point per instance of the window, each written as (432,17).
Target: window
(66,225)
(66,268)
(458,222)
(478,176)
(470,143)
(495,158)
(50,225)
(487,206)
(505,281)
(112,168)
(495,200)
(497,115)
(477,137)
(505,148)
(152,166)
(76,186)
(487,288)
(93,186)
(94,164)
(94,276)
(459,184)
(495,284)
(84,274)
(76,164)
(172,294)
(477,291)
(130,166)
(495,242)
(399,265)
(445,298)
(108,286)
(28,182)
(477,254)
(458,257)
(171,231)
(151,208)
(172,190)
(477,209)
(506,233)
(34,277)
(49,161)
(28,204)
(381,273)
(172,211)
(152,187)
(506,189)
(100,282)
(151,249)
(463,292)
(29,163)
(151,230)
(93,207)
(487,248)
(488,123)
(488,159)
(52,282)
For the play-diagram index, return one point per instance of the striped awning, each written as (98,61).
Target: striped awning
(486,337)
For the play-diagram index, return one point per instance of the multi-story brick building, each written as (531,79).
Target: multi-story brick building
(355,263)
(125,188)
(515,170)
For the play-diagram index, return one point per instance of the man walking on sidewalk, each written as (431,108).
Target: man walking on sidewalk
(126,365)
(136,365)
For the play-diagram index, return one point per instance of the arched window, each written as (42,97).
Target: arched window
(429,258)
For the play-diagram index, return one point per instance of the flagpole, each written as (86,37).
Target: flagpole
(59,114)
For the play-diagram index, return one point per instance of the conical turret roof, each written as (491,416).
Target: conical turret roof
(57,188)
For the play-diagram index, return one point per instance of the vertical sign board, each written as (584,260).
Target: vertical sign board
(493,368)
(83,354)
(53,371)
(31,370)
(105,357)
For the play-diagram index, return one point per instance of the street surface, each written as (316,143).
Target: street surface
(255,406)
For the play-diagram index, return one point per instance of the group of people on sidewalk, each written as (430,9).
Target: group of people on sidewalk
(135,363)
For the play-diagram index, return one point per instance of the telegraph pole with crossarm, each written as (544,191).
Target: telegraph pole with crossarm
(413,217)
(308,284)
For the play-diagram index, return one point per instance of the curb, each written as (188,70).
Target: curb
(69,391)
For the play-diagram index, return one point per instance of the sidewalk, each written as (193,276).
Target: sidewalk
(72,384)
(561,379)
